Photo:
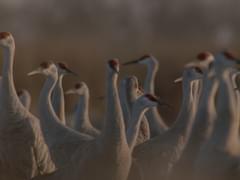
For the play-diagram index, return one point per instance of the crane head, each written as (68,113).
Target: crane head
(6,39)
(64,69)
(225,60)
(79,89)
(155,101)
(114,65)
(193,73)
(46,68)
(205,56)
(20,92)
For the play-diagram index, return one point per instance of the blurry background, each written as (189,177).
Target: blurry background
(85,34)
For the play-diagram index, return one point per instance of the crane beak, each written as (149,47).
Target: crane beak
(70,91)
(34,72)
(178,80)
(131,62)
(69,71)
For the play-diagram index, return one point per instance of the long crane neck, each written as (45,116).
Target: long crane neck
(48,117)
(156,123)
(188,109)
(124,103)
(26,101)
(149,83)
(58,100)
(114,128)
(134,125)
(226,131)
(10,101)
(82,119)
(205,115)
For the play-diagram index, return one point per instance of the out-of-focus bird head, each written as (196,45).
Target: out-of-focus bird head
(6,39)
(113,65)
(45,68)
(226,59)
(191,74)
(79,89)
(64,69)
(203,60)
(150,100)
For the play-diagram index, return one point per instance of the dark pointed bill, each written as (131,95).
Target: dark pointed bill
(157,100)
(131,62)
(66,68)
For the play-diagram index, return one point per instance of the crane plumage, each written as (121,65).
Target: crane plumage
(25,98)
(63,141)
(23,153)
(81,120)
(57,97)
(203,142)
(156,123)
(110,147)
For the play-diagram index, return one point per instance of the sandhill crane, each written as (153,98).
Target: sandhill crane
(25,98)
(23,153)
(156,156)
(58,94)
(139,107)
(110,147)
(203,125)
(219,156)
(81,121)
(132,94)
(157,125)
(62,141)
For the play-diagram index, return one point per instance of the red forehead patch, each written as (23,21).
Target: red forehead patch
(203,56)
(3,35)
(113,63)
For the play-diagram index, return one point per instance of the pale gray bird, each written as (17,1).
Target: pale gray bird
(108,154)
(23,151)
(63,141)
(129,93)
(156,157)
(81,119)
(157,125)
(219,156)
